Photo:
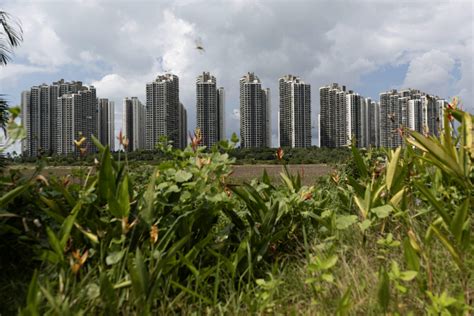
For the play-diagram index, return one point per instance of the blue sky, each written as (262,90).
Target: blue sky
(119,46)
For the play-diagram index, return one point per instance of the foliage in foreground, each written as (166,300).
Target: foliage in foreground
(390,236)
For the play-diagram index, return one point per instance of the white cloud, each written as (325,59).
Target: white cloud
(431,72)
(41,44)
(16,71)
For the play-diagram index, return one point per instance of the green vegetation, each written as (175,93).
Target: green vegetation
(387,234)
(312,155)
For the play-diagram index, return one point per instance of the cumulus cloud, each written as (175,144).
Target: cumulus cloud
(15,71)
(431,72)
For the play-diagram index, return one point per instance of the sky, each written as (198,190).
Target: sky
(119,46)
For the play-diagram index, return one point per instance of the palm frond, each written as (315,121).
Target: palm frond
(11,36)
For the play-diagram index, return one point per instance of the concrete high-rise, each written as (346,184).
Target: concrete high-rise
(77,117)
(106,117)
(183,126)
(40,116)
(354,118)
(347,116)
(370,118)
(295,112)
(163,111)
(221,102)
(409,108)
(25,115)
(134,115)
(333,119)
(209,109)
(254,113)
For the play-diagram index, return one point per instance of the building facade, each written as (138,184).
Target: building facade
(106,117)
(77,117)
(209,109)
(134,118)
(183,126)
(40,116)
(295,112)
(333,119)
(346,117)
(163,111)
(412,109)
(254,113)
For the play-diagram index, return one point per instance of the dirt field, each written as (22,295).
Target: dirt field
(309,172)
(242,173)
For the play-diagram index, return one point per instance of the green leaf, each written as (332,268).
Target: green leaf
(343,222)
(98,144)
(466,143)
(383,289)
(67,225)
(139,276)
(361,205)
(344,304)
(459,219)
(146,211)
(365,224)
(7,214)
(32,297)
(123,197)
(311,280)
(447,244)
(92,237)
(392,167)
(182,176)
(382,211)
(327,277)
(438,155)
(108,296)
(361,167)
(433,202)
(10,195)
(411,257)
(328,263)
(408,275)
(114,257)
(397,197)
(193,293)
(106,177)
(54,243)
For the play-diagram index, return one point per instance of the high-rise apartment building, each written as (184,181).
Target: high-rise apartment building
(333,119)
(254,113)
(40,116)
(163,111)
(25,115)
(183,126)
(221,102)
(409,108)
(209,109)
(266,99)
(370,118)
(295,112)
(354,118)
(346,116)
(134,115)
(106,117)
(77,117)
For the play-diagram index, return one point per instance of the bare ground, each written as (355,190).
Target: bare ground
(309,173)
(242,173)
